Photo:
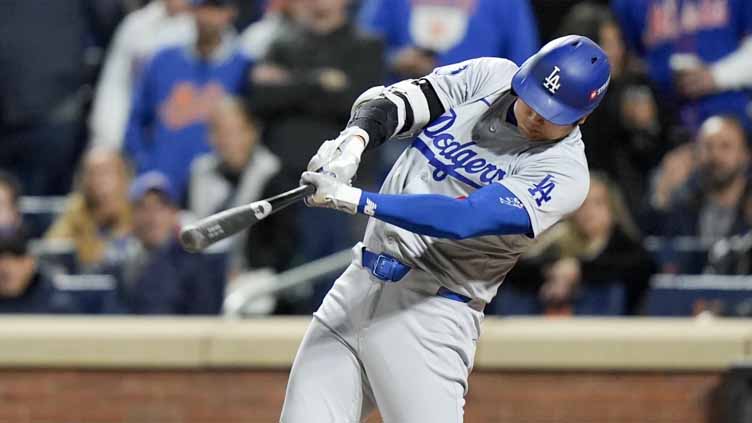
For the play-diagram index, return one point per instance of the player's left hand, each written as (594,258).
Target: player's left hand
(340,157)
(331,193)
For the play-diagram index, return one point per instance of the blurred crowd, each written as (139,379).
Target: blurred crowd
(120,120)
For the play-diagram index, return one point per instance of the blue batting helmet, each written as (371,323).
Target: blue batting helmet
(565,80)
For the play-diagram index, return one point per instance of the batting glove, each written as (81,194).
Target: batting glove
(331,193)
(340,157)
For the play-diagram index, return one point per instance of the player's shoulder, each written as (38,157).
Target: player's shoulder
(487,75)
(496,65)
(566,156)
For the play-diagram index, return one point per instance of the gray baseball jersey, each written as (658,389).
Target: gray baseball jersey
(468,147)
(399,346)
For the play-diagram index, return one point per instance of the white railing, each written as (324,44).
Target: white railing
(249,287)
(41,204)
(698,282)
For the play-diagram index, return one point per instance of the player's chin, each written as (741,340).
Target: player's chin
(526,132)
(533,135)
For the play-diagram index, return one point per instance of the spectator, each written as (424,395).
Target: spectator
(548,14)
(698,53)
(593,263)
(98,211)
(712,203)
(41,62)
(421,35)
(10,214)
(305,98)
(158,24)
(155,275)
(675,168)
(167,126)
(239,171)
(25,287)
(256,39)
(624,133)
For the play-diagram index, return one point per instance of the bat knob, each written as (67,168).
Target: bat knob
(192,239)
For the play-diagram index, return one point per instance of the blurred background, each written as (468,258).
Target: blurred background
(121,120)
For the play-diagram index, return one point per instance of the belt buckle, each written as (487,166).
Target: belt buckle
(383,267)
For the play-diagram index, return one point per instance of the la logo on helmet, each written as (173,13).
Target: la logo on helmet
(552,81)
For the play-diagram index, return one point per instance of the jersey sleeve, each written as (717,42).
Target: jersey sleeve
(471,80)
(549,188)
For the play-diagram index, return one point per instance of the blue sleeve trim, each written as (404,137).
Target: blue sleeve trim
(491,210)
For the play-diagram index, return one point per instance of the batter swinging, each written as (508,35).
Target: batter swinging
(496,158)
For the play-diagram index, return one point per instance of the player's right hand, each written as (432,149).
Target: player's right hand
(340,157)
(331,193)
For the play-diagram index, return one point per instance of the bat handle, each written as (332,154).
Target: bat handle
(287,198)
(205,232)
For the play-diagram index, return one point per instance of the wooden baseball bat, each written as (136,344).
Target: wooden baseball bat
(211,229)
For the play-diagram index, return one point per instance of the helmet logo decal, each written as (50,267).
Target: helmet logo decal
(595,93)
(552,81)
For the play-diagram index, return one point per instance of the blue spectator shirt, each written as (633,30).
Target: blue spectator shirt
(167,127)
(455,29)
(710,29)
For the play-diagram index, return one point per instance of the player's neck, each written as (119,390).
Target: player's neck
(511,118)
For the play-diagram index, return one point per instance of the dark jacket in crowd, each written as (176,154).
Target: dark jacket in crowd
(168,280)
(41,57)
(683,219)
(300,114)
(274,244)
(627,155)
(622,261)
(40,297)
(214,188)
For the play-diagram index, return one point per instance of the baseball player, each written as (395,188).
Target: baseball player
(496,158)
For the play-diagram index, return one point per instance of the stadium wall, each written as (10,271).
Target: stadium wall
(162,370)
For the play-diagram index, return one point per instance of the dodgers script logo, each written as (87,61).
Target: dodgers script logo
(455,158)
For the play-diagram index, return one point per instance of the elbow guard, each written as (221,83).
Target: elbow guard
(378,117)
(402,110)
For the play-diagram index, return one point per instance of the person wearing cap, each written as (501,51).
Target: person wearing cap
(167,126)
(25,286)
(155,275)
(496,158)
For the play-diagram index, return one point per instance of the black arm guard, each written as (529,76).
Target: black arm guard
(378,117)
